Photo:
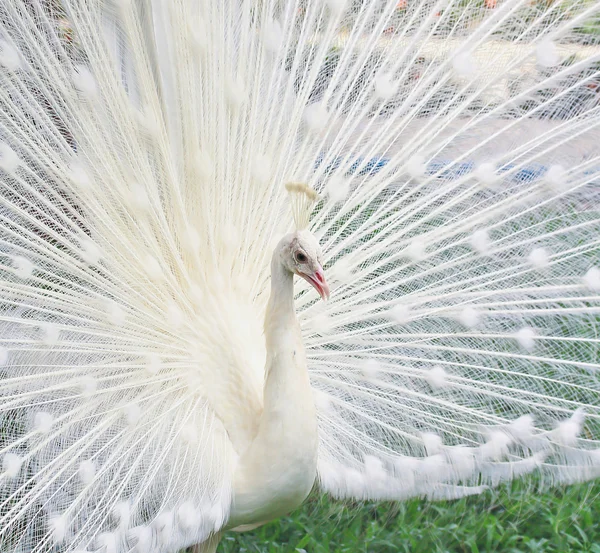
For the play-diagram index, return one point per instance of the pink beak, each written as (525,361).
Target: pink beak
(317,279)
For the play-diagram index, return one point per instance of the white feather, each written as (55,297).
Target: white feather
(316,117)
(526,337)
(337,7)
(464,64)
(337,189)
(43,422)
(480,241)
(546,53)
(486,174)
(11,464)
(400,314)
(163,525)
(9,160)
(88,385)
(87,472)
(437,377)
(84,81)
(137,197)
(273,36)
(50,334)
(370,369)
(9,56)
(416,250)
(58,526)
(122,514)
(539,258)
(496,448)
(567,431)
(449,166)
(556,178)
(153,363)
(592,278)
(522,428)
(188,515)
(235,92)
(23,267)
(432,442)
(108,542)
(133,414)
(79,175)
(116,315)
(469,316)
(90,252)
(462,460)
(385,86)
(416,166)
(141,538)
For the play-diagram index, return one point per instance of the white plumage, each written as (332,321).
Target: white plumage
(162,381)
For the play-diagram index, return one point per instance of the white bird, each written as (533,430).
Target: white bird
(163,381)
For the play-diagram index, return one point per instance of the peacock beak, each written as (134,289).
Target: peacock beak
(317,279)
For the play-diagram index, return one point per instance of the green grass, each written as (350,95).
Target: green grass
(513,520)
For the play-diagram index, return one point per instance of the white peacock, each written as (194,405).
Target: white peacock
(162,380)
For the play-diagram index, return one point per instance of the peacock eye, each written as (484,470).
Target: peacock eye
(301,257)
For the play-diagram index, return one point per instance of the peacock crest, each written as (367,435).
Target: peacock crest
(303,199)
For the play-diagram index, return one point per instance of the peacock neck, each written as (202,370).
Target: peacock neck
(280,318)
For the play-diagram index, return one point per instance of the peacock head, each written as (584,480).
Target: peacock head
(300,250)
(301,255)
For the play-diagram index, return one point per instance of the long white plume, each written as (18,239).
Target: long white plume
(144,149)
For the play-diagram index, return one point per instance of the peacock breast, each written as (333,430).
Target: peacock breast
(278,471)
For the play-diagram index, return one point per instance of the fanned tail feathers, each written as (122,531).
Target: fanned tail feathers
(144,151)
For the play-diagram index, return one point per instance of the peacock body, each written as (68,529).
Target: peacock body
(162,381)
